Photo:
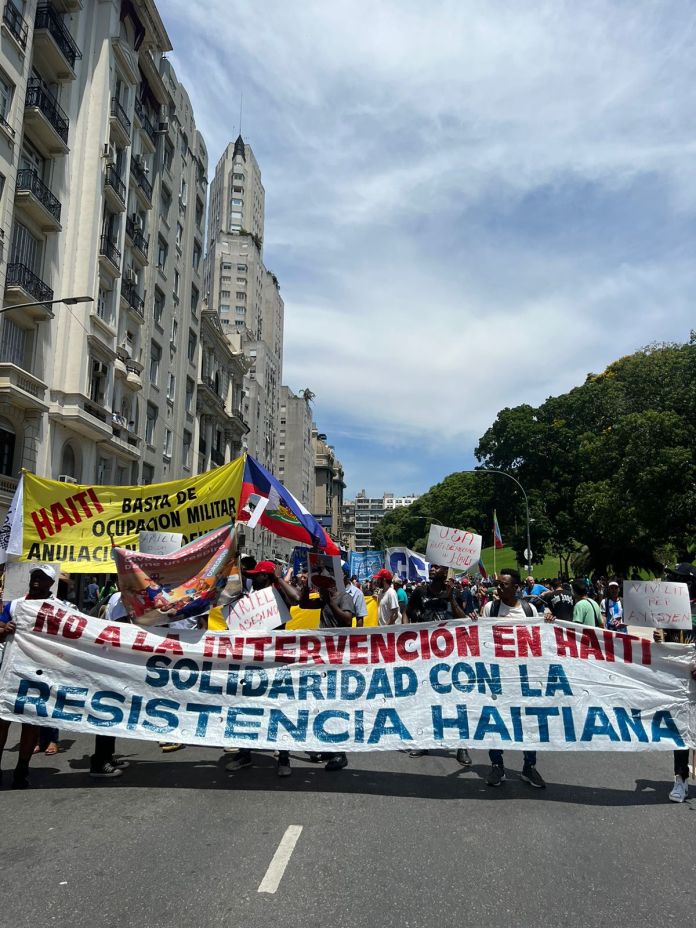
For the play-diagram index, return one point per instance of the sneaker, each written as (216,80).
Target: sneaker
(463,757)
(167,747)
(680,790)
(419,752)
(106,772)
(284,769)
(243,759)
(532,776)
(496,775)
(337,762)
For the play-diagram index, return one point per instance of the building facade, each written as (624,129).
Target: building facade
(103,186)
(295,448)
(328,476)
(369,510)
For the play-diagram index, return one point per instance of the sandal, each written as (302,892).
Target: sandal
(52,749)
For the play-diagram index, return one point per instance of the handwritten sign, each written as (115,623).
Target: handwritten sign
(159,542)
(653,604)
(450,547)
(258,611)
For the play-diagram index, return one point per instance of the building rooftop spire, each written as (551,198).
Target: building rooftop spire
(239,148)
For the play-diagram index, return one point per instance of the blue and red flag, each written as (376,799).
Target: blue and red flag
(482,570)
(497,537)
(281,513)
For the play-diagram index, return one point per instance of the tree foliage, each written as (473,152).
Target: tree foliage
(609,468)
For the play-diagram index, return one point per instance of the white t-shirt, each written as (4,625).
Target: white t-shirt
(387,604)
(511,612)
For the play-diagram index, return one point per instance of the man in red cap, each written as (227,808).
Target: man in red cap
(262,576)
(388,600)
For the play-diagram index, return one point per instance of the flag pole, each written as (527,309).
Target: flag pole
(495,519)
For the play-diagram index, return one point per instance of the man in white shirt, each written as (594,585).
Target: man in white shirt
(389,601)
(356,594)
(508,605)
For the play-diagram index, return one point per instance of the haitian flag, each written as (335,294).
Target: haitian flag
(282,514)
(497,537)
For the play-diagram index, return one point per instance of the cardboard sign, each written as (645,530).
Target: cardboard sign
(160,542)
(653,604)
(450,547)
(325,571)
(257,611)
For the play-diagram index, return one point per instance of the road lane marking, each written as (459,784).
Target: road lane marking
(281,858)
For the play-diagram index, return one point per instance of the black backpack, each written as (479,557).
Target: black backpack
(526,608)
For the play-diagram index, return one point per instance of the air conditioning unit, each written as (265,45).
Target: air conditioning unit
(66,478)
(109,154)
(131,275)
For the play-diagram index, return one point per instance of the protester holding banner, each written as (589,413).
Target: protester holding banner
(510,605)
(41,579)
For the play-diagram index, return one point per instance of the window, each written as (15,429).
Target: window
(104,304)
(240,310)
(7,448)
(196,255)
(225,294)
(241,267)
(122,475)
(194,300)
(103,470)
(179,234)
(168,154)
(228,267)
(155,358)
(237,202)
(190,386)
(158,306)
(16,344)
(199,212)
(192,342)
(237,177)
(240,295)
(175,329)
(150,425)
(167,443)
(241,281)
(26,249)
(183,192)
(165,201)
(187,449)
(171,385)
(6,94)
(177,283)
(184,145)
(98,372)
(238,190)
(162,252)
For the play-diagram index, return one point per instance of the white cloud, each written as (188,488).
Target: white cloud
(401,144)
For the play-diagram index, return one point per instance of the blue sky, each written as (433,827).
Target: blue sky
(469,205)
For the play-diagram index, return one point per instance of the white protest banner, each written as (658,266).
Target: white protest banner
(159,542)
(450,547)
(479,685)
(654,604)
(256,611)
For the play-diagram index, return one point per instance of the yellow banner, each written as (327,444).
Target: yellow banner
(75,525)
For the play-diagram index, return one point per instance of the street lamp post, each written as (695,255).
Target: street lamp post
(68,300)
(492,470)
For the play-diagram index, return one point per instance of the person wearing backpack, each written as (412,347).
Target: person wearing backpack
(585,611)
(506,605)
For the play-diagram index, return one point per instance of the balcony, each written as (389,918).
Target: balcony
(54,44)
(111,256)
(208,399)
(82,415)
(23,286)
(134,372)
(144,185)
(45,123)
(133,300)
(139,240)
(114,189)
(21,389)
(145,124)
(120,123)
(37,201)
(124,437)
(15,25)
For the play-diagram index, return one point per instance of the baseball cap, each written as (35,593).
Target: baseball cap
(466,581)
(345,567)
(613,583)
(263,567)
(382,575)
(45,569)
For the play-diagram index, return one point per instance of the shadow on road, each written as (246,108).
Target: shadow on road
(461,783)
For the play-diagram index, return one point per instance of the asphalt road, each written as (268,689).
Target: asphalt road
(389,841)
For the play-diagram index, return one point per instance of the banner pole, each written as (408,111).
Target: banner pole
(495,519)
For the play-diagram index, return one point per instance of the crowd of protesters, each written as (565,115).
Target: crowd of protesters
(596,602)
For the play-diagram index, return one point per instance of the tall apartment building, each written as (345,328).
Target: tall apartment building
(369,510)
(103,180)
(295,448)
(244,293)
(328,474)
